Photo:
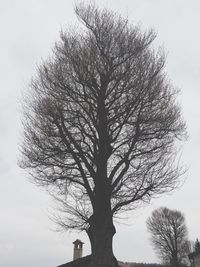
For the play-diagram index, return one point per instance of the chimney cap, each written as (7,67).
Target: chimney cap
(78,241)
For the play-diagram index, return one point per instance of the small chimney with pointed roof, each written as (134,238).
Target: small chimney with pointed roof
(78,249)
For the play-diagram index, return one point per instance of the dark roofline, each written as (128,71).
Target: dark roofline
(77,262)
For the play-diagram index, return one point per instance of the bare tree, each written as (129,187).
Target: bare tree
(169,236)
(100,122)
(197,246)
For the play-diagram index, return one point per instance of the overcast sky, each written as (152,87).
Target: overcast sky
(28,30)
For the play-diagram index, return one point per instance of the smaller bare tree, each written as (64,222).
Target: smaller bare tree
(197,246)
(169,236)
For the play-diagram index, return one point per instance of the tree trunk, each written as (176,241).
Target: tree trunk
(174,260)
(102,229)
(101,234)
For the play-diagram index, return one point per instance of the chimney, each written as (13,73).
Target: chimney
(78,249)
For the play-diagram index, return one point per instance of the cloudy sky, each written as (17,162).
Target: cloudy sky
(28,30)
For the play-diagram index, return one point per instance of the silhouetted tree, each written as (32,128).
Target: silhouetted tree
(197,246)
(100,122)
(169,236)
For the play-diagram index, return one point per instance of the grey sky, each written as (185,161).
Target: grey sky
(28,30)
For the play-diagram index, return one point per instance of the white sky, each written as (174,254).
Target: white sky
(28,30)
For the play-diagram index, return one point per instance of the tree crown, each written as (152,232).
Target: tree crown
(102,118)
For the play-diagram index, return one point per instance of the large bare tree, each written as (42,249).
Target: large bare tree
(169,236)
(100,123)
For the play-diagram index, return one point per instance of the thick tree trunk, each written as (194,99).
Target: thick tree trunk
(101,234)
(102,229)
(174,260)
